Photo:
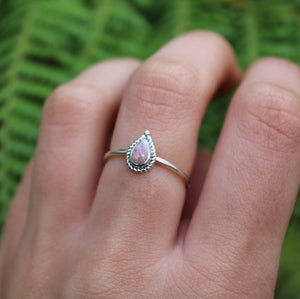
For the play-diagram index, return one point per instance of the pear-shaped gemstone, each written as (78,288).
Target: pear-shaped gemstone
(140,153)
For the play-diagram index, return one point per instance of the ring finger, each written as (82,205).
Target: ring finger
(167,95)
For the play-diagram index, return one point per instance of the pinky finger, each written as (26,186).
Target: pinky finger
(16,216)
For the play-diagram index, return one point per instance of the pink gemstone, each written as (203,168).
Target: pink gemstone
(140,153)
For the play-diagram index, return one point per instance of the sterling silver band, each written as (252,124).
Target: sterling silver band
(141,156)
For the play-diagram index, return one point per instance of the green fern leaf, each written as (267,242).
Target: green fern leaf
(44,44)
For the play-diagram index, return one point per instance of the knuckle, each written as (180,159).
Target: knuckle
(212,37)
(270,116)
(161,85)
(69,104)
(278,63)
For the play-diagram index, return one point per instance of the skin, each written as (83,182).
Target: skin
(82,228)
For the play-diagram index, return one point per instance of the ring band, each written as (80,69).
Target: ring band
(141,156)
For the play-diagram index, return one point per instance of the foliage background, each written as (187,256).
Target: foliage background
(45,43)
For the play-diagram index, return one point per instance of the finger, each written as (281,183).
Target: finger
(167,95)
(252,182)
(197,180)
(76,123)
(16,217)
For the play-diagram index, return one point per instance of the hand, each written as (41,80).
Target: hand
(82,228)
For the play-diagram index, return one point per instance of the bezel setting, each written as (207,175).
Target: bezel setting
(151,157)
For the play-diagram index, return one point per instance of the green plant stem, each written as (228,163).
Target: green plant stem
(251,33)
(101,17)
(7,109)
(182,16)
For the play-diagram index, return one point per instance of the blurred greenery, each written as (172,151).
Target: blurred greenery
(45,43)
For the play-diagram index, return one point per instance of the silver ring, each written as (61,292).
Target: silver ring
(141,155)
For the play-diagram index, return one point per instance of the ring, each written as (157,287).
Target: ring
(141,156)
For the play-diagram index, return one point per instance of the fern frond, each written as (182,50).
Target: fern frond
(46,43)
